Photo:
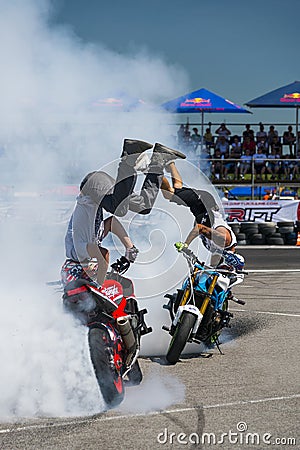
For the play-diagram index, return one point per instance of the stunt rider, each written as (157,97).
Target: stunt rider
(214,232)
(100,192)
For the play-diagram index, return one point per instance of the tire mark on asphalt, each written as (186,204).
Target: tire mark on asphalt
(94,419)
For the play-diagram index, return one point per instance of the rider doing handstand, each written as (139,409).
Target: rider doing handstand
(215,234)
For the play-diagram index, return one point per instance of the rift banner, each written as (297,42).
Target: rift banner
(262,210)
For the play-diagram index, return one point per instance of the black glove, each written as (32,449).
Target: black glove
(131,254)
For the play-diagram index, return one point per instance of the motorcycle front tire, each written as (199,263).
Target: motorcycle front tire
(181,335)
(109,380)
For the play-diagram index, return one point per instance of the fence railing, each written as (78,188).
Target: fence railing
(255,172)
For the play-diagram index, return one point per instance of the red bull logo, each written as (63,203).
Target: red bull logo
(197,102)
(291,98)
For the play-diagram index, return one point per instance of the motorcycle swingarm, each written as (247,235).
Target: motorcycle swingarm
(133,360)
(169,305)
(142,327)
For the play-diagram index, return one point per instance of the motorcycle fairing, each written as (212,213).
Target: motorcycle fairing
(202,283)
(127,284)
(189,309)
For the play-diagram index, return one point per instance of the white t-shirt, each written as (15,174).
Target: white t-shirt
(218,222)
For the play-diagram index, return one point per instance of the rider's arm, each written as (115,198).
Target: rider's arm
(192,235)
(112,224)
(117,228)
(220,236)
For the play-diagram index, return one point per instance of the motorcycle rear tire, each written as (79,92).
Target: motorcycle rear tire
(109,380)
(180,337)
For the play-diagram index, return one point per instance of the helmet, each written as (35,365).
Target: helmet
(96,185)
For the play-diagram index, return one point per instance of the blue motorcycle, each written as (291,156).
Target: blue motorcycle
(199,310)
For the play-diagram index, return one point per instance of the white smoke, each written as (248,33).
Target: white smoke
(52,132)
(155,393)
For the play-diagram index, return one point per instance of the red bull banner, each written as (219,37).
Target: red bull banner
(262,210)
(197,102)
(291,98)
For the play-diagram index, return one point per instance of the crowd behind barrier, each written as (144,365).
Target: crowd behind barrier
(252,154)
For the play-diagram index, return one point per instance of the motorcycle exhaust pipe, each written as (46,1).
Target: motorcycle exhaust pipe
(126,333)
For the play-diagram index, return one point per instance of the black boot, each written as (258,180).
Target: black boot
(163,155)
(134,147)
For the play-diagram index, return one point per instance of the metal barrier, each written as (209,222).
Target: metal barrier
(286,171)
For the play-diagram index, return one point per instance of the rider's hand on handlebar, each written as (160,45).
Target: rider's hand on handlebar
(180,246)
(234,259)
(131,254)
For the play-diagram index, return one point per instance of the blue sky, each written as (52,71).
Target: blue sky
(235,48)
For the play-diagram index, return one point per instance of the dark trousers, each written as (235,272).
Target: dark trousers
(123,197)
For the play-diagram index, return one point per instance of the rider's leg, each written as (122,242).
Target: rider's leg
(102,256)
(166,189)
(143,202)
(176,177)
(117,202)
(161,157)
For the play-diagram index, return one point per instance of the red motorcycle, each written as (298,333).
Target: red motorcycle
(115,328)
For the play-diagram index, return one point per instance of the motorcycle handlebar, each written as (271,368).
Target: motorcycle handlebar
(187,253)
(193,258)
(121,265)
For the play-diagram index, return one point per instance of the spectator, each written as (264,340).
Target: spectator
(222,145)
(286,168)
(195,139)
(217,165)
(267,195)
(292,166)
(236,145)
(208,139)
(264,148)
(248,132)
(261,135)
(296,167)
(274,164)
(277,146)
(249,145)
(289,139)
(225,198)
(180,136)
(259,163)
(235,136)
(245,166)
(205,161)
(270,195)
(223,131)
(271,135)
(187,135)
(233,166)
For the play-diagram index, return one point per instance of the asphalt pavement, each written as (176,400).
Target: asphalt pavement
(247,397)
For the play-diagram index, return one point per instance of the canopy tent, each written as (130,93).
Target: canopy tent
(284,97)
(202,101)
(119,102)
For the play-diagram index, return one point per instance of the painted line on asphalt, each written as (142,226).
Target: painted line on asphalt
(265,312)
(153,413)
(273,270)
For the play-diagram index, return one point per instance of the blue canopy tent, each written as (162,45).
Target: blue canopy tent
(202,101)
(284,97)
